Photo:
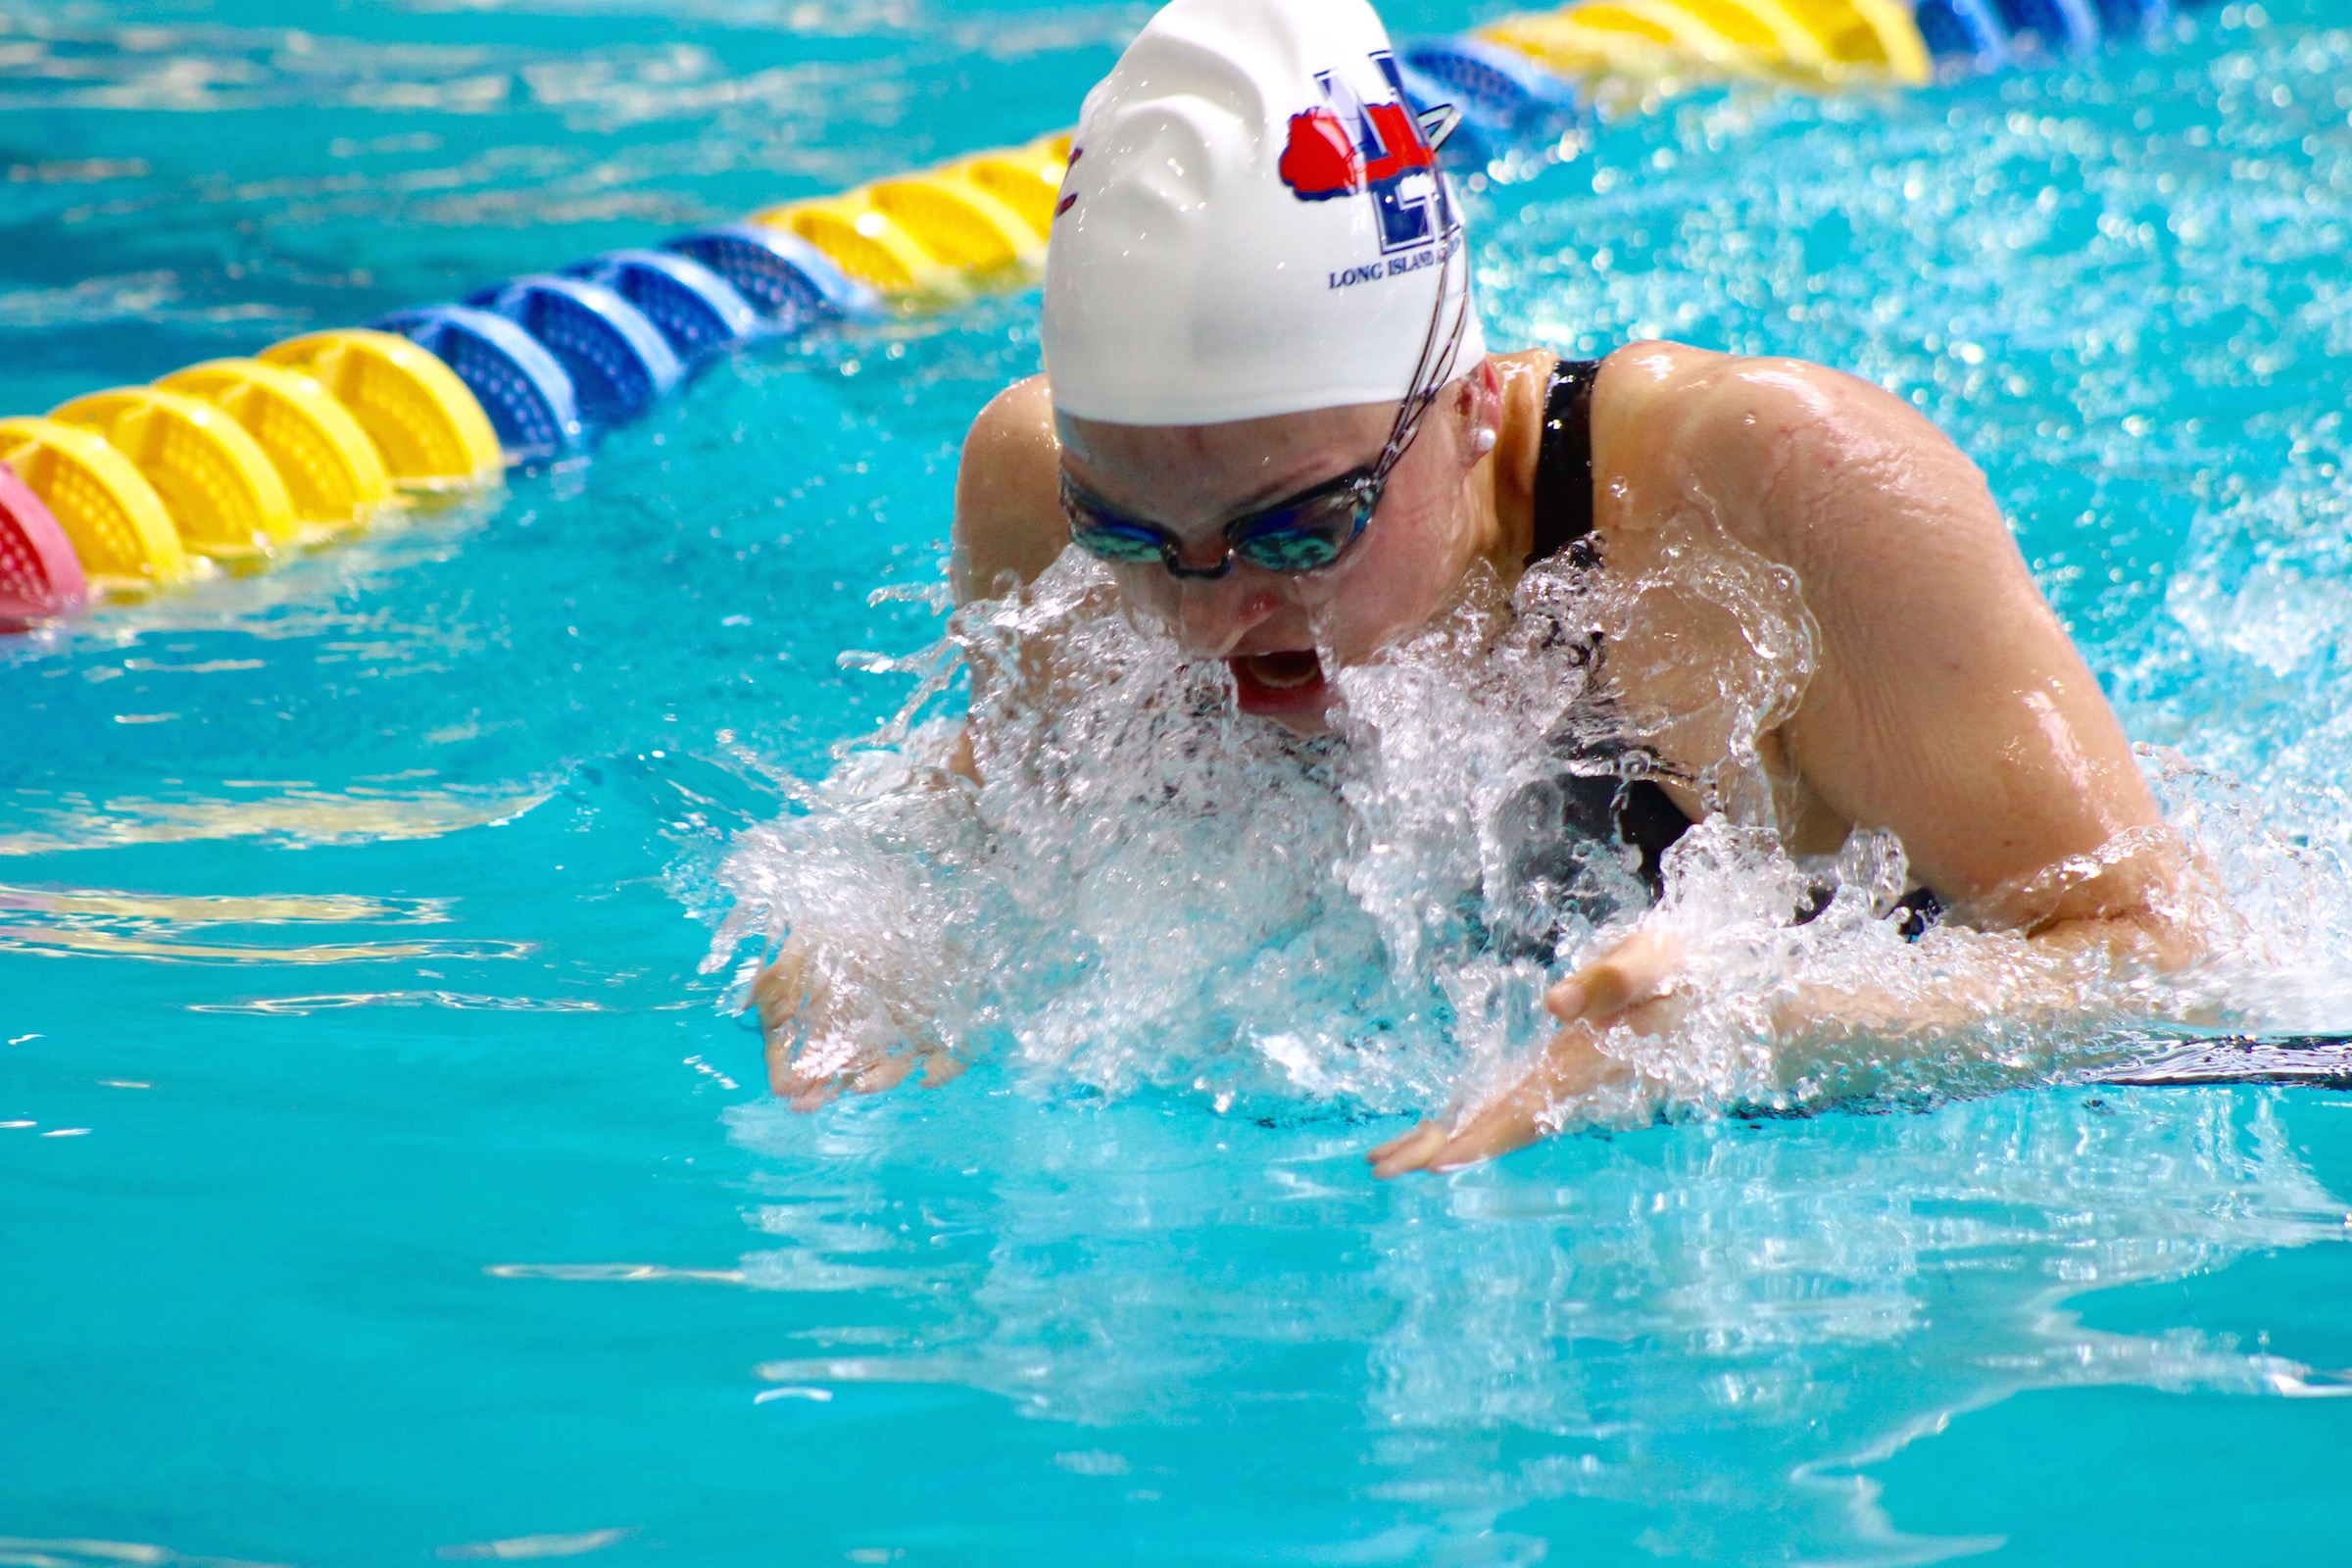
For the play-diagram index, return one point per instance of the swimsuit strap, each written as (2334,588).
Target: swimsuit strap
(1635,813)
(1564,460)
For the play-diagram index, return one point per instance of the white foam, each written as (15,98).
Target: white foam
(1152,888)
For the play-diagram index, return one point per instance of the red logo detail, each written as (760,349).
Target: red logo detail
(1319,162)
(1402,149)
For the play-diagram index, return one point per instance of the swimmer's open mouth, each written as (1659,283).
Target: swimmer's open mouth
(1284,671)
(1288,682)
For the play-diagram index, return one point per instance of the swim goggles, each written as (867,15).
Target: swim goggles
(1313,528)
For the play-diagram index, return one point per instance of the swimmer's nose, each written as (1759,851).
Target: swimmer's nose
(1212,616)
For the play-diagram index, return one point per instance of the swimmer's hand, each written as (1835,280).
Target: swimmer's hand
(823,1036)
(1629,986)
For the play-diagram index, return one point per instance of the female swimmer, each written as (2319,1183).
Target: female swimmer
(1269,408)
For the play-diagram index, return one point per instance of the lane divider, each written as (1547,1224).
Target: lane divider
(113,517)
(332,472)
(694,308)
(40,575)
(426,427)
(235,462)
(222,494)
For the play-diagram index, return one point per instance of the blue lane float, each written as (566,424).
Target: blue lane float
(1963,30)
(790,279)
(523,388)
(696,311)
(1511,107)
(556,357)
(618,362)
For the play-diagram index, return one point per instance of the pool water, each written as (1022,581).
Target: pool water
(382,1180)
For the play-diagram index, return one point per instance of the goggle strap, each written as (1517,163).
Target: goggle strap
(1420,395)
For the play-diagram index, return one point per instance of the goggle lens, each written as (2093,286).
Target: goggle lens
(1289,551)
(1307,539)
(1124,542)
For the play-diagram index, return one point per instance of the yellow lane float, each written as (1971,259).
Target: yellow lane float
(428,429)
(117,523)
(224,498)
(1027,179)
(1807,42)
(935,238)
(331,471)
(872,247)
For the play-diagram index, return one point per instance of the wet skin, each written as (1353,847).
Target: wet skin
(1945,701)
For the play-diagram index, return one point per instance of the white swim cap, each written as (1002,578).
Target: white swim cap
(1252,223)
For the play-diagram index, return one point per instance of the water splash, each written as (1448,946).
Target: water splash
(1151,887)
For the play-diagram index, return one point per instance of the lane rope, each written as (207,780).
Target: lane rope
(236,461)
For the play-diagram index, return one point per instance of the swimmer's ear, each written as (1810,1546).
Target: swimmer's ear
(1482,399)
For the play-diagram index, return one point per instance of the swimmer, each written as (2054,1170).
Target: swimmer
(1268,408)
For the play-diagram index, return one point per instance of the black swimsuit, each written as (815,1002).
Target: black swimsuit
(1602,799)
(1633,812)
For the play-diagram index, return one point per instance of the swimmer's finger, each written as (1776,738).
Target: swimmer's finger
(783,1079)
(1512,1122)
(1635,970)
(811,1093)
(1571,998)
(782,989)
(791,1079)
(788,1073)
(788,1079)
(939,1064)
(888,1073)
(1380,1151)
(791,995)
(1412,1152)
(1571,1065)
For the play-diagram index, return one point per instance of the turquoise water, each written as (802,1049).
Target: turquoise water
(390,1182)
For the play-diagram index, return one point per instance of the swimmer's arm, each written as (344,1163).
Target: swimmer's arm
(1009,527)
(1944,699)
(1948,704)
(1633,987)
(2061,972)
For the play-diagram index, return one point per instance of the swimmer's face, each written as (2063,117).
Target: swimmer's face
(1267,625)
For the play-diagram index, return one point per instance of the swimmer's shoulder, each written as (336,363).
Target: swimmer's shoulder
(1651,385)
(1672,398)
(1007,505)
(1630,383)
(1800,457)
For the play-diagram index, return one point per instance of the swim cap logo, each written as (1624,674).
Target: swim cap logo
(1319,162)
(1345,146)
